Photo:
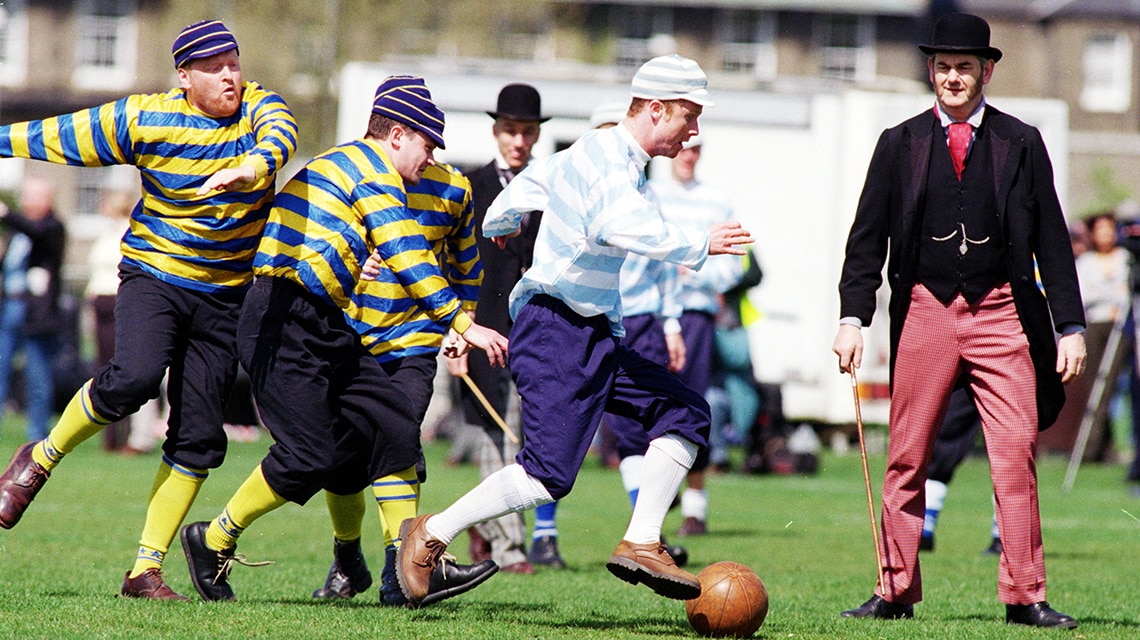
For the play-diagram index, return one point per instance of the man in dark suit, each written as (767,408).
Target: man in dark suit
(963,197)
(517,119)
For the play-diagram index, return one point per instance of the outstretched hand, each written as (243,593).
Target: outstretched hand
(228,180)
(726,237)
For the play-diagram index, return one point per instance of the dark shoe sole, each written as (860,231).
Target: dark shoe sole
(664,586)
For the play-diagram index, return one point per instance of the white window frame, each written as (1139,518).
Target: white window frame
(14,63)
(756,56)
(1107,72)
(844,62)
(124,27)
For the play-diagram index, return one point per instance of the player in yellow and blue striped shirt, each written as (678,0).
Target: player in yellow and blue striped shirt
(337,419)
(404,338)
(207,152)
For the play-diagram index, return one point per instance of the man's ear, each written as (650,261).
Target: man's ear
(183,78)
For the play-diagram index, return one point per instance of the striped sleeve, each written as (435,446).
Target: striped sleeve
(95,137)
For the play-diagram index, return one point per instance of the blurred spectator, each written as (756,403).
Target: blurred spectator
(102,286)
(1103,272)
(30,318)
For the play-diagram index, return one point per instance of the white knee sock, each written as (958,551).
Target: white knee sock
(630,469)
(666,463)
(695,504)
(507,490)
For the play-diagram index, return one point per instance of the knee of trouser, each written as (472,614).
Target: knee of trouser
(116,393)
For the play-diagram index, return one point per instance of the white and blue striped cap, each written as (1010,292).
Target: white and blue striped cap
(671,77)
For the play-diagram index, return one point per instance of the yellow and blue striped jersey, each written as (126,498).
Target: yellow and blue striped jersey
(205,243)
(392,324)
(329,217)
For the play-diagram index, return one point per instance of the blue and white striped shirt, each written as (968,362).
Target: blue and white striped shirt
(696,205)
(651,286)
(595,212)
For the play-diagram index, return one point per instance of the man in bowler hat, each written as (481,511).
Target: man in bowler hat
(959,202)
(517,119)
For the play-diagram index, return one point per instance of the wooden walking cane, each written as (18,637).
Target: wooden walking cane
(867,477)
(491,410)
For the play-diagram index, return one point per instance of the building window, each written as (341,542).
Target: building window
(644,32)
(1107,73)
(748,43)
(846,47)
(13,43)
(106,45)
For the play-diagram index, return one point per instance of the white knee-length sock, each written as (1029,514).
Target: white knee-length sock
(666,463)
(507,490)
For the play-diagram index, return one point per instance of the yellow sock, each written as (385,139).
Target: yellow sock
(174,490)
(77,423)
(253,499)
(347,514)
(398,496)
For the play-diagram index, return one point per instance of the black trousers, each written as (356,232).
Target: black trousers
(160,327)
(337,419)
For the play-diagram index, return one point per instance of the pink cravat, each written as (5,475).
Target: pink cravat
(960,133)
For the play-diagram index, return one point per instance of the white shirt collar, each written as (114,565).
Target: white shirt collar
(975,118)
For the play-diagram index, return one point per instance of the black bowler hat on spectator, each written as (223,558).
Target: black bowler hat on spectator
(961,33)
(521,102)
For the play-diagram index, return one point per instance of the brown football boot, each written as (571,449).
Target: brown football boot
(149,585)
(651,565)
(21,481)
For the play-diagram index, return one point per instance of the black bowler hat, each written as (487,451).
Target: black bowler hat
(519,101)
(961,33)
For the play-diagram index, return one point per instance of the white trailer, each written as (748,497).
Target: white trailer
(793,166)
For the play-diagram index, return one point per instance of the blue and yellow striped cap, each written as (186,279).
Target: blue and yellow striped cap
(202,40)
(406,100)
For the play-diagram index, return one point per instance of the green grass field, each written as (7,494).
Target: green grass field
(807,537)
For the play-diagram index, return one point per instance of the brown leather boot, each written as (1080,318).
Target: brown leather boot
(21,481)
(149,585)
(651,565)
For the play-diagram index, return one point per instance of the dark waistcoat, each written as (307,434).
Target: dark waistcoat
(961,247)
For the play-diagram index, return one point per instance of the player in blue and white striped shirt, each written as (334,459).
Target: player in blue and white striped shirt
(567,359)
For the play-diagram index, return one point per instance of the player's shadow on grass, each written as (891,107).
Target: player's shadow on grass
(632,620)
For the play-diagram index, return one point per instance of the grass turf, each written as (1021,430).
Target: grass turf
(807,537)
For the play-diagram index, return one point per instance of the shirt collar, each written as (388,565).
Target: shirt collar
(639,155)
(975,118)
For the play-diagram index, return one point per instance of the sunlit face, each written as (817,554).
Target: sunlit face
(1104,234)
(213,85)
(673,126)
(516,139)
(412,153)
(685,164)
(958,79)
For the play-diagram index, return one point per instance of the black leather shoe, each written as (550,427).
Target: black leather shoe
(926,542)
(544,552)
(876,607)
(390,594)
(209,569)
(348,574)
(994,549)
(1038,615)
(449,579)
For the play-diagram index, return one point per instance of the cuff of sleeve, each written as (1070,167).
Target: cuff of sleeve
(852,320)
(1071,328)
(672,326)
(260,167)
(461,322)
